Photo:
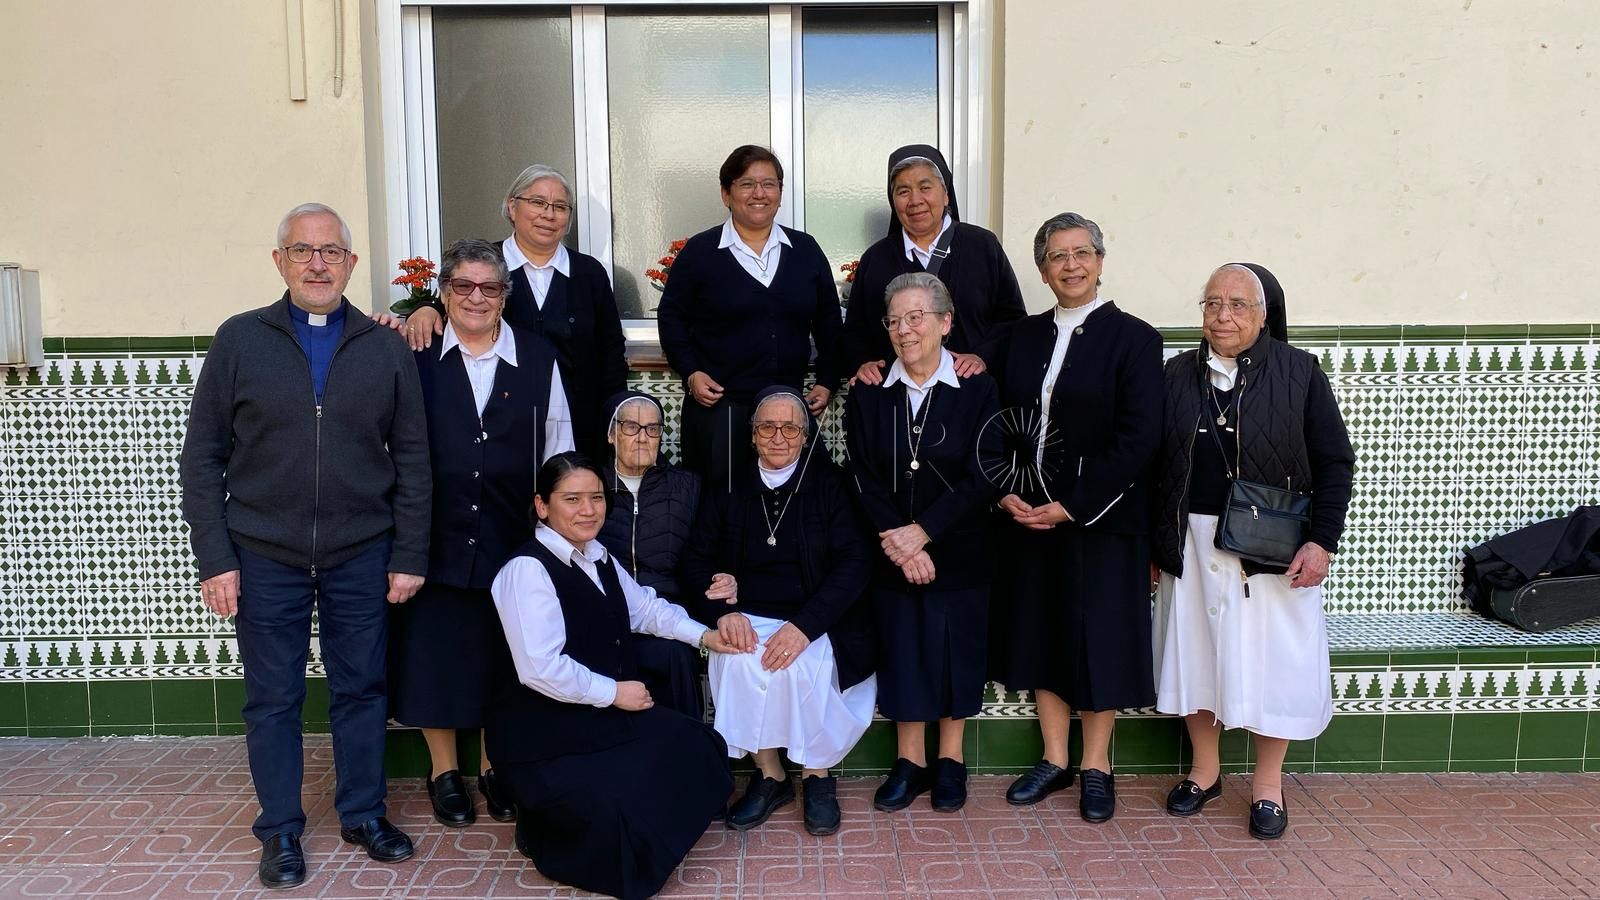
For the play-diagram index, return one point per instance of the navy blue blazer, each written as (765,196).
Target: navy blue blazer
(483,468)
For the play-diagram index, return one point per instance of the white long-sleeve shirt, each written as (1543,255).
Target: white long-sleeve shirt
(530,613)
(480,372)
(539,277)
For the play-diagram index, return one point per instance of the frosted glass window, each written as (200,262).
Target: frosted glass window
(684,88)
(871,84)
(503,101)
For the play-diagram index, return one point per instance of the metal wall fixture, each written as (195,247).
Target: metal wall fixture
(21,325)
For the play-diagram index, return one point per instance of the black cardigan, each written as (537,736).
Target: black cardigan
(836,565)
(1105,410)
(647,534)
(977,272)
(947,494)
(483,468)
(715,318)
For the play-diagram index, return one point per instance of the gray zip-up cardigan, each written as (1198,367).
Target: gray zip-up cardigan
(264,467)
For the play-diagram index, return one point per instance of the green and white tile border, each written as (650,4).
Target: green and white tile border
(1461,433)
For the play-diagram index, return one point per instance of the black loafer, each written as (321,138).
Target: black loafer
(283,863)
(906,780)
(1268,820)
(1097,797)
(496,798)
(1189,798)
(761,797)
(949,785)
(384,842)
(452,805)
(822,804)
(1043,780)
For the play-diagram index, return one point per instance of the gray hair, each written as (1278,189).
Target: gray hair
(312,209)
(1066,222)
(472,250)
(535,172)
(910,161)
(938,295)
(785,397)
(1261,292)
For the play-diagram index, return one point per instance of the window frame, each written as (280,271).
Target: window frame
(409,172)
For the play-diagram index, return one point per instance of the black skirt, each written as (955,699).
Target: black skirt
(671,670)
(1071,615)
(447,658)
(619,820)
(932,652)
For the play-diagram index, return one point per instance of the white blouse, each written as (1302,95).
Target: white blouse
(558,436)
(530,613)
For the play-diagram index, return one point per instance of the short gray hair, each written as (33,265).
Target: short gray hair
(312,209)
(910,161)
(472,250)
(1261,291)
(535,172)
(938,294)
(784,397)
(1066,222)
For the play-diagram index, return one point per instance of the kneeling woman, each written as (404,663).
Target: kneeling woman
(612,791)
(785,548)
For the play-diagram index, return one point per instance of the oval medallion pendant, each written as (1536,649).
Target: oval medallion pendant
(915,465)
(772,541)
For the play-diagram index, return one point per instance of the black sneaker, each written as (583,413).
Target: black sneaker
(761,797)
(949,785)
(1097,800)
(822,804)
(1043,780)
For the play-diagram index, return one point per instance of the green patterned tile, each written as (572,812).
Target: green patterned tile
(1546,735)
(182,344)
(405,755)
(13,705)
(58,731)
(13,732)
(874,752)
(1483,765)
(1147,741)
(58,704)
(171,729)
(1007,745)
(1480,736)
(316,707)
(1414,765)
(120,703)
(230,700)
(96,345)
(1542,655)
(1237,751)
(122,730)
(1574,764)
(1493,656)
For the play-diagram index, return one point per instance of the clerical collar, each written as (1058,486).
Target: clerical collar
(316,320)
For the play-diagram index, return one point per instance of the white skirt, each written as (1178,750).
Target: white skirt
(799,708)
(1258,662)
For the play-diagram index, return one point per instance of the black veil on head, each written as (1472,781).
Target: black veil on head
(1277,313)
(931,154)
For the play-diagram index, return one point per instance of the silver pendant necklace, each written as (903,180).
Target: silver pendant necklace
(913,430)
(772,527)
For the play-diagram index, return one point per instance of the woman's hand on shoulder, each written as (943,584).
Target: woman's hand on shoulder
(871,372)
(723,587)
(421,326)
(969,364)
(737,632)
(1309,566)
(632,696)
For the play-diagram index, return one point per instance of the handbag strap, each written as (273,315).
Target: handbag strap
(939,250)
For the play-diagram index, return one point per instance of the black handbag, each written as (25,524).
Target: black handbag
(1264,524)
(1261,523)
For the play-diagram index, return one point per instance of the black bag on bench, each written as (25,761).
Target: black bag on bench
(1540,577)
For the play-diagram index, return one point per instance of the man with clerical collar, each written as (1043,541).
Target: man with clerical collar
(306,485)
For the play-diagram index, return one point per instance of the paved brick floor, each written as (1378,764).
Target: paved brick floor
(143,818)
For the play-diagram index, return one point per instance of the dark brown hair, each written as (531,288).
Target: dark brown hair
(740,161)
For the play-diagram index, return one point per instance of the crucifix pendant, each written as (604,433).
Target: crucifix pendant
(772,541)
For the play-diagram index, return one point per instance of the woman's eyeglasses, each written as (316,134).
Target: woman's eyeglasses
(789,430)
(461,287)
(912,318)
(632,429)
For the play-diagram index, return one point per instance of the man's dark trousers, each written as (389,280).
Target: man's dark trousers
(274,630)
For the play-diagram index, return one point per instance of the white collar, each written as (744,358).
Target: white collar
(516,259)
(505,346)
(911,246)
(777,477)
(563,548)
(1078,314)
(945,374)
(730,238)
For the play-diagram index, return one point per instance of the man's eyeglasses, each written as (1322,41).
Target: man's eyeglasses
(632,428)
(491,290)
(301,253)
(789,430)
(540,205)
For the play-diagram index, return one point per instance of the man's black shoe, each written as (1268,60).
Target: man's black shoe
(283,863)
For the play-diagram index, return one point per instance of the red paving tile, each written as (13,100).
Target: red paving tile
(168,818)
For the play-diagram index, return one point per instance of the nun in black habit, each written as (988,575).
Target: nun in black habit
(612,790)
(1072,602)
(926,234)
(914,454)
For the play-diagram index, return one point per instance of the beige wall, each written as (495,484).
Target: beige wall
(150,148)
(1393,162)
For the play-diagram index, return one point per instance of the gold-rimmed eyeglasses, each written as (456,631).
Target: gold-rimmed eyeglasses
(789,430)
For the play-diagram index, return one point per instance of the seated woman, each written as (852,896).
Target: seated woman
(611,790)
(784,548)
(653,505)
(914,453)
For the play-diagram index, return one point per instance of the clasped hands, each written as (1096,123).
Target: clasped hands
(906,547)
(1039,518)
